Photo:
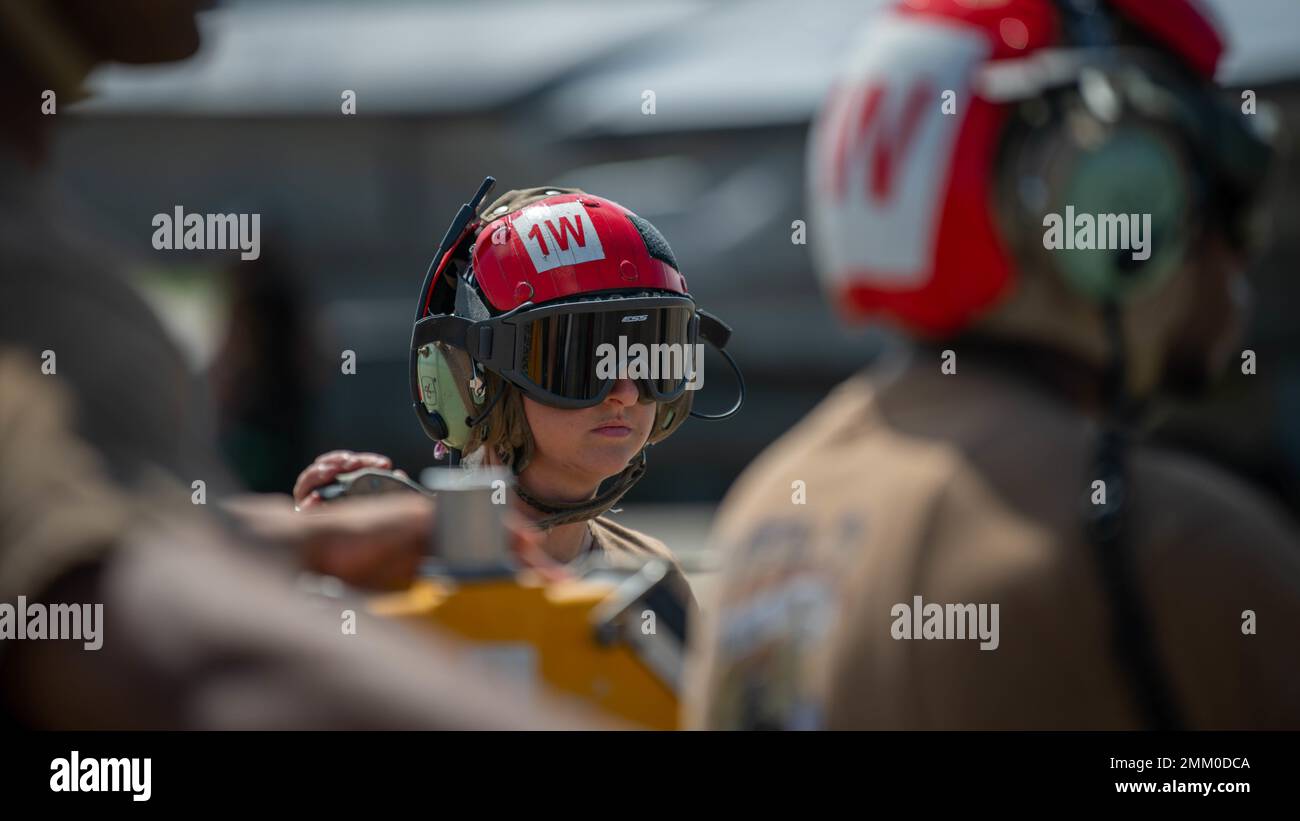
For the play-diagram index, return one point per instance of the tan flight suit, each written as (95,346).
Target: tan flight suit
(624,547)
(968,488)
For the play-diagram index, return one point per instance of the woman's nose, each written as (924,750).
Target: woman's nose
(624,392)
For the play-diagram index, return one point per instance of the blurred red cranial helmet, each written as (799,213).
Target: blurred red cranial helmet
(901,171)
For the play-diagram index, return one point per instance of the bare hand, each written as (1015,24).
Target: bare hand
(376,542)
(329,465)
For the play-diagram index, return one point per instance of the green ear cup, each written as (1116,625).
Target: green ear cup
(1132,187)
(439,394)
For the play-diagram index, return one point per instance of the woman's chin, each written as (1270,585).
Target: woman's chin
(610,463)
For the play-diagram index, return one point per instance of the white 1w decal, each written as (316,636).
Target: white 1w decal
(556,235)
(885,150)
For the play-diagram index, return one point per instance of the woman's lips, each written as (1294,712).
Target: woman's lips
(612,429)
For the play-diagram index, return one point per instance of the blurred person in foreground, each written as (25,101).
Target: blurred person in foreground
(980,542)
(101,435)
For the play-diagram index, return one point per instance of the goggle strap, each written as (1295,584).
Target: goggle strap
(713,330)
(445,328)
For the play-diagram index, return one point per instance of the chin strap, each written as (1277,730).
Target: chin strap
(563,513)
(1131,628)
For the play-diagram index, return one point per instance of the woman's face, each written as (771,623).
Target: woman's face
(575,450)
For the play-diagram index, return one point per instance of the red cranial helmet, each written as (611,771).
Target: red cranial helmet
(567,245)
(903,159)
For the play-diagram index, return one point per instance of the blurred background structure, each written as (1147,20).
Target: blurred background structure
(553,93)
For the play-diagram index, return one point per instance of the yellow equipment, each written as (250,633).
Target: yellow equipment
(587,636)
(612,637)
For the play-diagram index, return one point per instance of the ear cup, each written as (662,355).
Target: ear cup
(1108,206)
(669,416)
(1130,201)
(440,394)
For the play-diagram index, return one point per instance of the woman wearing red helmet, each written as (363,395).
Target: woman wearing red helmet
(522,309)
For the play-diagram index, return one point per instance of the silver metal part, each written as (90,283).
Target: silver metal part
(469,531)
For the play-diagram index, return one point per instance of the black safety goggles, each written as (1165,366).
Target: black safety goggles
(570,354)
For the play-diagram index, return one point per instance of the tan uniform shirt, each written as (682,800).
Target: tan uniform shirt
(968,489)
(625,547)
(53,514)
